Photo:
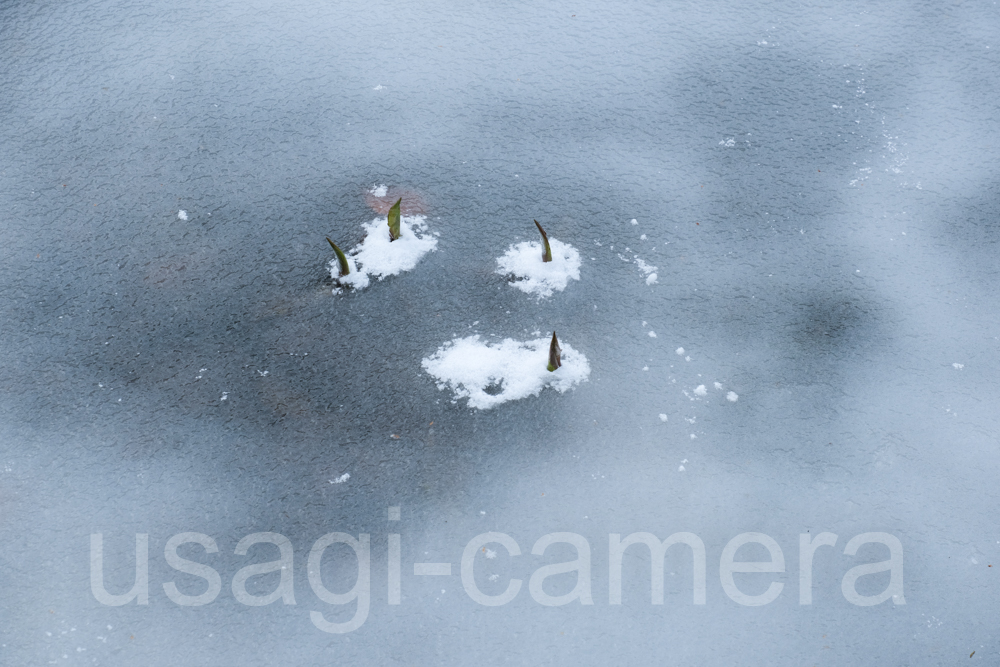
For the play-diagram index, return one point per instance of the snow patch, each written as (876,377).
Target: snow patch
(700,390)
(532,275)
(958,367)
(340,480)
(732,397)
(379,190)
(489,374)
(663,417)
(652,334)
(679,351)
(648,270)
(378,256)
(183,215)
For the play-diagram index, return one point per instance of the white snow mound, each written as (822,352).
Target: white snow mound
(511,369)
(377,256)
(532,275)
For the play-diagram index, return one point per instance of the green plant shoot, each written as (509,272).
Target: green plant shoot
(341,258)
(547,251)
(394,220)
(555,360)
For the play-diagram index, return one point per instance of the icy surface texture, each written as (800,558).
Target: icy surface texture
(817,185)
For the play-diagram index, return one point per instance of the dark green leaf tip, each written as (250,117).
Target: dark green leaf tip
(394,220)
(555,354)
(345,268)
(547,251)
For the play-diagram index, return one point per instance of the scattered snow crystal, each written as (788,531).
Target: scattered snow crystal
(533,276)
(489,374)
(379,190)
(340,480)
(958,366)
(378,256)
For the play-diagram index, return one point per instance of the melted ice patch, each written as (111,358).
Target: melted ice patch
(379,257)
(489,374)
(532,275)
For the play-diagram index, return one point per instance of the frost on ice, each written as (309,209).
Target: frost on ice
(489,374)
(532,275)
(379,257)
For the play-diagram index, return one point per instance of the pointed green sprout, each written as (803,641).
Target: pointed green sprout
(341,258)
(394,220)
(547,252)
(555,360)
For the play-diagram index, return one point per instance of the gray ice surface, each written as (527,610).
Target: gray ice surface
(819,187)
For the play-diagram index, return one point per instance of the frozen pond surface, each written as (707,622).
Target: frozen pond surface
(815,187)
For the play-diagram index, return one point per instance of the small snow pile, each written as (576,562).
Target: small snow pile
(648,270)
(378,256)
(182,215)
(532,275)
(732,397)
(489,374)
